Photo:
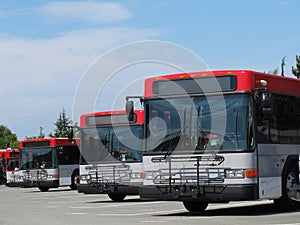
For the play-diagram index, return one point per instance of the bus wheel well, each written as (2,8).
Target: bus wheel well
(291,161)
(289,176)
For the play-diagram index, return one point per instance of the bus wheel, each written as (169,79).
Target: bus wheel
(195,206)
(288,181)
(44,189)
(74,180)
(117,197)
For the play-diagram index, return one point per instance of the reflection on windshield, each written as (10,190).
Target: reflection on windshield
(37,158)
(196,123)
(112,143)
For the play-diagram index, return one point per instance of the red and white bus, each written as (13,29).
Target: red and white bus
(221,136)
(111,157)
(49,163)
(9,164)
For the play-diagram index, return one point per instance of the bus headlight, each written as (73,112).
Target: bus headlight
(86,179)
(234,173)
(136,175)
(150,175)
(52,176)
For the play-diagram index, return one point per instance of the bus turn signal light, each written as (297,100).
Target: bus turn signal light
(251,173)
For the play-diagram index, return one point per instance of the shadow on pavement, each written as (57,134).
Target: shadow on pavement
(254,210)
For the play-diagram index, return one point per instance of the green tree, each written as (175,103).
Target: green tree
(76,130)
(275,71)
(7,138)
(41,135)
(282,66)
(62,125)
(296,70)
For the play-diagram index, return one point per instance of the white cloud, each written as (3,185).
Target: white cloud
(39,77)
(283,3)
(31,60)
(4,13)
(83,11)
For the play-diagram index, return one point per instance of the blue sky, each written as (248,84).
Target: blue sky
(46,46)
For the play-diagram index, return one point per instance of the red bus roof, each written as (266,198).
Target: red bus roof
(139,117)
(246,81)
(48,141)
(7,152)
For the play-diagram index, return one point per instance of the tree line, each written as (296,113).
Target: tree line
(62,126)
(295,70)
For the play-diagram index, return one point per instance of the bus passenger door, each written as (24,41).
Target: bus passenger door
(65,173)
(68,163)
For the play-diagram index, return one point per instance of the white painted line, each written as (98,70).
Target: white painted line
(239,204)
(117,205)
(143,213)
(286,224)
(154,221)
(53,206)
(75,213)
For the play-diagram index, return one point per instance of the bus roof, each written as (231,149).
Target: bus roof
(47,141)
(109,118)
(7,152)
(246,80)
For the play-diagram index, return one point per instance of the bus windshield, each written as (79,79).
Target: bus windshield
(37,158)
(199,123)
(111,143)
(12,164)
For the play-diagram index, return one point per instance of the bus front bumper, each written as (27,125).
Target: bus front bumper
(107,189)
(210,193)
(43,183)
(12,184)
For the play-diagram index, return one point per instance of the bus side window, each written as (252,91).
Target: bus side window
(261,136)
(263,126)
(69,155)
(12,165)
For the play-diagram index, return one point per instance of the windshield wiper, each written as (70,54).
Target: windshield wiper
(237,126)
(181,131)
(203,134)
(174,140)
(170,144)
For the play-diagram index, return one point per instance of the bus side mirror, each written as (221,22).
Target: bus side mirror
(60,151)
(266,103)
(70,135)
(263,98)
(129,110)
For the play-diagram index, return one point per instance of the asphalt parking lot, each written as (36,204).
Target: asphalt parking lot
(22,206)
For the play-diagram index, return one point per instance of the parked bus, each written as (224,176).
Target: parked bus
(9,163)
(205,140)
(49,163)
(111,161)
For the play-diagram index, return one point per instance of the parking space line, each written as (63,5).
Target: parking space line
(76,213)
(238,204)
(142,213)
(117,205)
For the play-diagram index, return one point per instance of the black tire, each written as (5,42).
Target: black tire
(44,189)
(195,206)
(117,197)
(74,180)
(290,178)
